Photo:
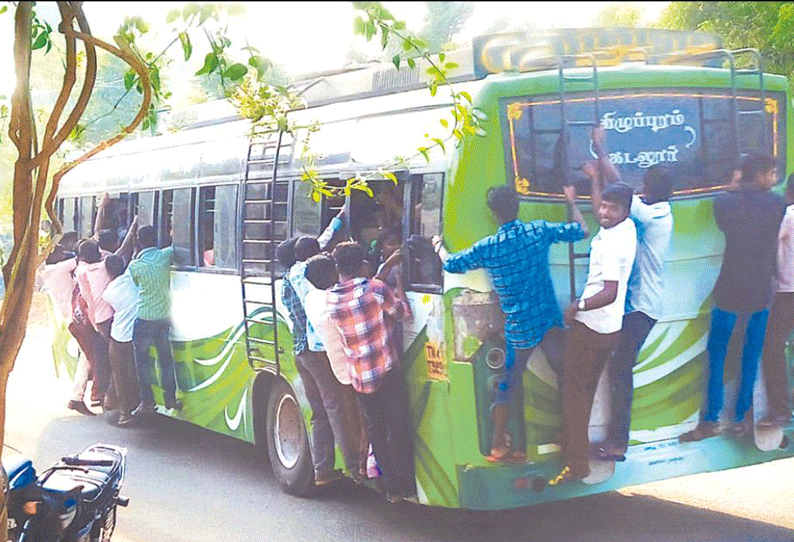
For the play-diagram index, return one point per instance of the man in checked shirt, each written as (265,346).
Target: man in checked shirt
(517,260)
(359,308)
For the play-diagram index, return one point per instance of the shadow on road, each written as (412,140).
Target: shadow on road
(189,484)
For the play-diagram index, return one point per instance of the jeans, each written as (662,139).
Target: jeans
(144,334)
(781,324)
(636,327)
(334,416)
(387,413)
(722,323)
(552,345)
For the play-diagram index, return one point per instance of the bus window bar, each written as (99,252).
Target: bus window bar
(263,360)
(265,304)
(255,321)
(251,280)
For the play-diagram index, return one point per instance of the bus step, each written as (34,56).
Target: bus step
(262,241)
(580,255)
(261,341)
(582,123)
(264,281)
(753,112)
(262,303)
(583,79)
(257,261)
(263,360)
(260,201)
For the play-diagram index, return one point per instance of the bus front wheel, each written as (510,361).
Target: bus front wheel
(288,443)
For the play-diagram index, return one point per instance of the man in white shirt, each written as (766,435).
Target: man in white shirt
(352,438)
(781,322)
(122,294)
(595,320)
(653,218)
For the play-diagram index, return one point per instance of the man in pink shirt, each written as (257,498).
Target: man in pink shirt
(92,281)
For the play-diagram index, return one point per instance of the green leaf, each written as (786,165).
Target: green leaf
(444,123)
(433,88)
(384,37)
(172,16)
(210,64)
(406,45)
(190,9)
(207,11)
(424,153)
(359,27)
(466,95)
(260,64)
(399,25)
(187,47)
(235,71)
(411,63)
(49,46)
(458,134)
(391,176)
(441,57)
(129,79)
(316,196)
(396,60)
(440,143)
(40,41)
(451,65)
(3,9)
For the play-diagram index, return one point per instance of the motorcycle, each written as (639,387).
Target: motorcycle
(75,500)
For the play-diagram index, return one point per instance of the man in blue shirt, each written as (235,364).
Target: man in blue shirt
(517,260)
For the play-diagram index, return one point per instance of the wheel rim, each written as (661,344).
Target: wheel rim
(288,434)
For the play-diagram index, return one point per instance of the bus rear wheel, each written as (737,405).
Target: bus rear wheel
(288,442)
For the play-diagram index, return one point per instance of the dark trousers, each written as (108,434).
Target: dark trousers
(146,333)
(722,323)
(636,327)
(124,375)
(106,383)
(388,416)
(586,353)
(95,349)
(334,416)
(778,330)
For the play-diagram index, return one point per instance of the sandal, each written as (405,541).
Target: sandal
(703,430)
(602,455)
(498,455)
(567,475)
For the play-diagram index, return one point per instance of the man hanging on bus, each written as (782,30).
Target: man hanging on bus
(653,219)
(595,320)
(781,323)
(358,307)
(750,218)
(322,390)
(517,260)
(151,273)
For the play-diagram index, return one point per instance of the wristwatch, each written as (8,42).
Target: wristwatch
(581,304)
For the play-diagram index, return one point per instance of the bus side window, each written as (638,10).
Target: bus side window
(177,211)
(69,214)
(143,205)
(217,227)
(87,217)
(424,271)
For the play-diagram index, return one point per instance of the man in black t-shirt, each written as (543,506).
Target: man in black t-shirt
(750,217)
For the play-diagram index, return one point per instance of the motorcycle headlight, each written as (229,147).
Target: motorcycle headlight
(66,516)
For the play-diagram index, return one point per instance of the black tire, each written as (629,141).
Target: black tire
(288,442)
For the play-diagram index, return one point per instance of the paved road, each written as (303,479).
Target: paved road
(189,485)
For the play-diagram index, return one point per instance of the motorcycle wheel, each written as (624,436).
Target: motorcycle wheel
(287,441)
(106,526)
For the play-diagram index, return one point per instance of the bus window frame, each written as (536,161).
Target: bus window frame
(778,96)
(160,212)
(198,241)
(415,182)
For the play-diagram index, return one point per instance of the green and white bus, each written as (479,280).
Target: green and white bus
(662,96)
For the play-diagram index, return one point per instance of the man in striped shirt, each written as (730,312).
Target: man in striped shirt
(151,273)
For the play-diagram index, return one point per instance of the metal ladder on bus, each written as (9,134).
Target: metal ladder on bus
(264,226)
(565,124)
(735,111)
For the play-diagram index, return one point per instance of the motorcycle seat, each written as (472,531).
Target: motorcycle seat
(20,471)
(66,479)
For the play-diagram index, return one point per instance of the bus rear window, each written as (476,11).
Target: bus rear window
(689,130)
